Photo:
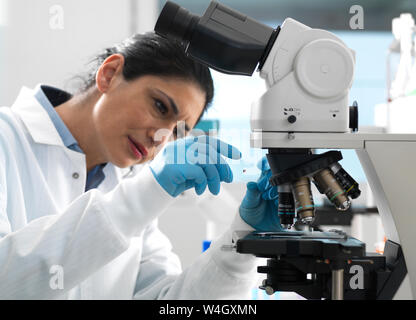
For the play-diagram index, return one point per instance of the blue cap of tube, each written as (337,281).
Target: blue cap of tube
(205,245)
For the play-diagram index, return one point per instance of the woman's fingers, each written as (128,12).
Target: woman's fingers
(263,182)
(205,155)
(197,175)
(253,197)
(221,147)
(213,178)
(270,193)
(263,164)
(215,159)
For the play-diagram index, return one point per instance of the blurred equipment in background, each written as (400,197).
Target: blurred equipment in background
(397,113)
(403,29)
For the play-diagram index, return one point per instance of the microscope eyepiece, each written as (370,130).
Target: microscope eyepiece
(176,23)
(223,38)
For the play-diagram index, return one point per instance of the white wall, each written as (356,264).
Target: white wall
(50,41)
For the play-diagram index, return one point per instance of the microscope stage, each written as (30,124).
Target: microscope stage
(333,245)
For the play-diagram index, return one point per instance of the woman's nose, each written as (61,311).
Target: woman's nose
(161,135)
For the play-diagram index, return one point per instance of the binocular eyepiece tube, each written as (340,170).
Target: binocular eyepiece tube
(223,38)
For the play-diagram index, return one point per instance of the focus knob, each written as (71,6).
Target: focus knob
(291,119)
(325,68)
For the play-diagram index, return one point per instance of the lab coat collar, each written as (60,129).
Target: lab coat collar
(42,130)
(35,118)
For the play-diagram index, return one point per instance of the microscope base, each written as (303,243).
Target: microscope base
(329,265)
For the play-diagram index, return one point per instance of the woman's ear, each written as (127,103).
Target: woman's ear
(108,72)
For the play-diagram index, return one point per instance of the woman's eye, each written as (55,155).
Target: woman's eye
(161,107)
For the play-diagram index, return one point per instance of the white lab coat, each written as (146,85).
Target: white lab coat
(58,242)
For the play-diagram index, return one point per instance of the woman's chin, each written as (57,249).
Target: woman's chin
(127,162)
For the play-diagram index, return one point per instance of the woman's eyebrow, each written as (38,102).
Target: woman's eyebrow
(173,106)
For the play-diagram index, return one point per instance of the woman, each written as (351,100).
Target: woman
(77,219)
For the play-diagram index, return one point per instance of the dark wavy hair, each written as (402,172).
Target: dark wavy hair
(151,54)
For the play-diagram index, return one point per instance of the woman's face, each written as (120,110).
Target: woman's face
(134,119)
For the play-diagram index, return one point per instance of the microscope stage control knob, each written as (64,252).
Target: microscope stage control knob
(291,119)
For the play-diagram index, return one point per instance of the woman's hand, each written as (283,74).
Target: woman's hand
(260,205)
(194,162)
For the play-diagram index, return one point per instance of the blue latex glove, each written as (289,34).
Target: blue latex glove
(260,204)
(194,162)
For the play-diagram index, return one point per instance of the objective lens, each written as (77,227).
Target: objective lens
(347,183)
(327,184)
(286,208)
(305,206)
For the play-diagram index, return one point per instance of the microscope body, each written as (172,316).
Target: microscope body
(308,74)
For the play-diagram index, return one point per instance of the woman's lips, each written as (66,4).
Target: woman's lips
(138,150)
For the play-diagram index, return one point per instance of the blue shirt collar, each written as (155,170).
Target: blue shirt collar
(66,136)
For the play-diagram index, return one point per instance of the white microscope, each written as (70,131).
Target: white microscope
(309,73)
